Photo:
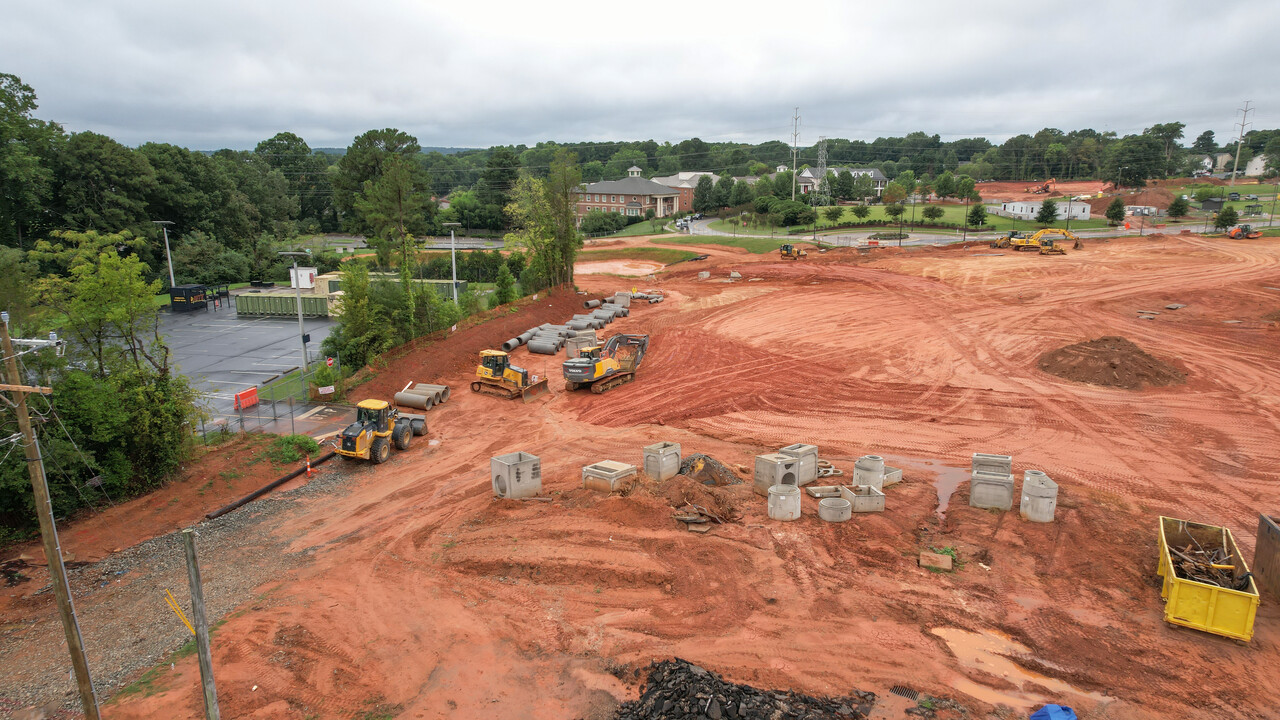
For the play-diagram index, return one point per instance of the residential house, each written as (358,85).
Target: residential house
(632,195)
(1224,162)
(807,180)
(685,182)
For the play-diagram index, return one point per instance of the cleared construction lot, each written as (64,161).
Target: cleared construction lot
(412,588)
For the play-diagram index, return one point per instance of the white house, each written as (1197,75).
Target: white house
(1027,209)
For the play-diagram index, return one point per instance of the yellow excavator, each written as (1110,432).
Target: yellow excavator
(601,367)
(791,252)
(1042,241)
(378,426)
(495,375)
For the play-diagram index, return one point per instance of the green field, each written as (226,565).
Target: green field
(640,228)
(666,256)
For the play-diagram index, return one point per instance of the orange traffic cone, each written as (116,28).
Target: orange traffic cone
(308,466)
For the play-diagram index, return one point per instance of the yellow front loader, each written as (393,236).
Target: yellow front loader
(378,426)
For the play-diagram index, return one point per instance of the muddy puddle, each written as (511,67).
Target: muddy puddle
(947,479)
(988,653)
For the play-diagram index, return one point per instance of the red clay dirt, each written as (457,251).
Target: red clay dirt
(426,597)
(1009,191)
(1110,362)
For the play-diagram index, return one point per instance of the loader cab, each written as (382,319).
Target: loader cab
(372,412)
(592,353)
(495,362)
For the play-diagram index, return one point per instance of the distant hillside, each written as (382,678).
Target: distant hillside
(441,150)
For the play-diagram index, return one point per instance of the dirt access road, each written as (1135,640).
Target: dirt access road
(421,596)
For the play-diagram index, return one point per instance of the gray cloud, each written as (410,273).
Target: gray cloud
(232,73)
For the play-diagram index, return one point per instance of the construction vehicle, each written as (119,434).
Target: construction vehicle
(1042,241)
(791,251)
(1243,231)
(1043,188)
(378,426)
(602,367)
(495,375)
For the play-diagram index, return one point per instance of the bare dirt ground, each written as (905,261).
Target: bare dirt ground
(416,594)
(1009,191)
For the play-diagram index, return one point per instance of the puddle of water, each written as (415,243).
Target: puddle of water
(947,481)
(987,652)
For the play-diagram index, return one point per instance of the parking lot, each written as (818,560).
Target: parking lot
(224,354)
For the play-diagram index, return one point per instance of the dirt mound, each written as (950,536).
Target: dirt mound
(1111,362)
(680,491)
(679,689)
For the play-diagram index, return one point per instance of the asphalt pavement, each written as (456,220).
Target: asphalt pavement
(224,354)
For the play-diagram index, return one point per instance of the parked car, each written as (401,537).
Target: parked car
(1250,197)
(697,216)
(1233,196)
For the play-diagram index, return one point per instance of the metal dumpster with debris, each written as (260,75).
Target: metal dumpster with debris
(1207,585)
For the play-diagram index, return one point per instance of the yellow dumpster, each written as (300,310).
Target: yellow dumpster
(1204,605)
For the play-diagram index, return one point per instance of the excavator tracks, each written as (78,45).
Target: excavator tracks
(499,391)
(612,381)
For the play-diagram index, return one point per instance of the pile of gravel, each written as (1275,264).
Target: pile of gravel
(679,689)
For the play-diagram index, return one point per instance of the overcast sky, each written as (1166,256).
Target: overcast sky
(230,73)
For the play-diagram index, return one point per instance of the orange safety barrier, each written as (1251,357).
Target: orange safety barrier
(246,399)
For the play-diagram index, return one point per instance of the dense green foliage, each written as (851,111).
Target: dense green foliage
(1115,211)
(1048,212)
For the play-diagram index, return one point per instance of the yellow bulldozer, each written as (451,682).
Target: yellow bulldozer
(495,375)
(378,426)
(1044,241)
(601,367)
(791,252)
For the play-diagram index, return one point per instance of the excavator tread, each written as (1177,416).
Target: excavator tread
(612,381)
(485,388)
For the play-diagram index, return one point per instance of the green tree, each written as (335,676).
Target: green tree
(563,181)
(392,207)
(945,186)
(861,211)
(702,194)
(1205,143)
(505,285)
(1226,217)
(895,210)
(721,193)
(363,330)
(833,214)
(501,172)
(977,216)
(842,188)
(1179,208)
(362,162)
(103,185)
(1131,161)
(1115,211)
(894,193)
(27,149)
(1048,213)
(741,194)
(1272,151)
(932,213)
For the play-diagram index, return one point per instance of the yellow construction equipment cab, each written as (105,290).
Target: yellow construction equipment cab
(495,375)
(601,367)
(1042,241)
(1243,231)
(792,252)
(377,427)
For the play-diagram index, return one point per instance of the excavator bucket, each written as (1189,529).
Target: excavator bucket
(535,390)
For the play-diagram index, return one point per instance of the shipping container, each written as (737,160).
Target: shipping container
(1199,605)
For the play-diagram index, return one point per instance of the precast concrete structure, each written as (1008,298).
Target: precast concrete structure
(606,475)
(662,460)
(1039,497)
(991,491)
(863,498)
(516,475)
(784,502)
(775,469)
(808,457)
(869,470)
(994,464)
(835,509)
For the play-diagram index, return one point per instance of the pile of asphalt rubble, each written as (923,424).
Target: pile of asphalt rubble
(679,689)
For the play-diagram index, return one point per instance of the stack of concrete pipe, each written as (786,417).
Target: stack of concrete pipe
(423,396)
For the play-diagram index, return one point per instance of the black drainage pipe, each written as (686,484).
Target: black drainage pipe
(267,488)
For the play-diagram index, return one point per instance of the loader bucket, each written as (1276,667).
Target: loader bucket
(536,390)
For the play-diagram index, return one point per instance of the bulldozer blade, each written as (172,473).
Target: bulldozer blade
(536,390)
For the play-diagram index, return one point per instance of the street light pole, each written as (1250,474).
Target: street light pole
(164,225)
(297,286)
(453,255)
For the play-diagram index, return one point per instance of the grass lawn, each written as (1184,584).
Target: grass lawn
(640,228)
(666,256)
(757,245)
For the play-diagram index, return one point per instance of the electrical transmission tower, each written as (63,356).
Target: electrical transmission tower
(824,188)
(795,139)
(1240,140)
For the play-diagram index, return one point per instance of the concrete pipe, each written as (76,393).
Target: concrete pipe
(511,344)
(835,509)
(577,325)
(414,400)
(543,347)
(585,333)
(439,392)
(526,335)
(591,304)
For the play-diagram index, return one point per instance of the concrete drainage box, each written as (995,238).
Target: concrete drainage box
(863,498)
(992,464)
(606,475)
(808,457)
(775,469)
(991,491)
(662,460)
(1039,497)
(516,475)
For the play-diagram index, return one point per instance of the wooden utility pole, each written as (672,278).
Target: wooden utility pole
(48,530)
(201,626)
